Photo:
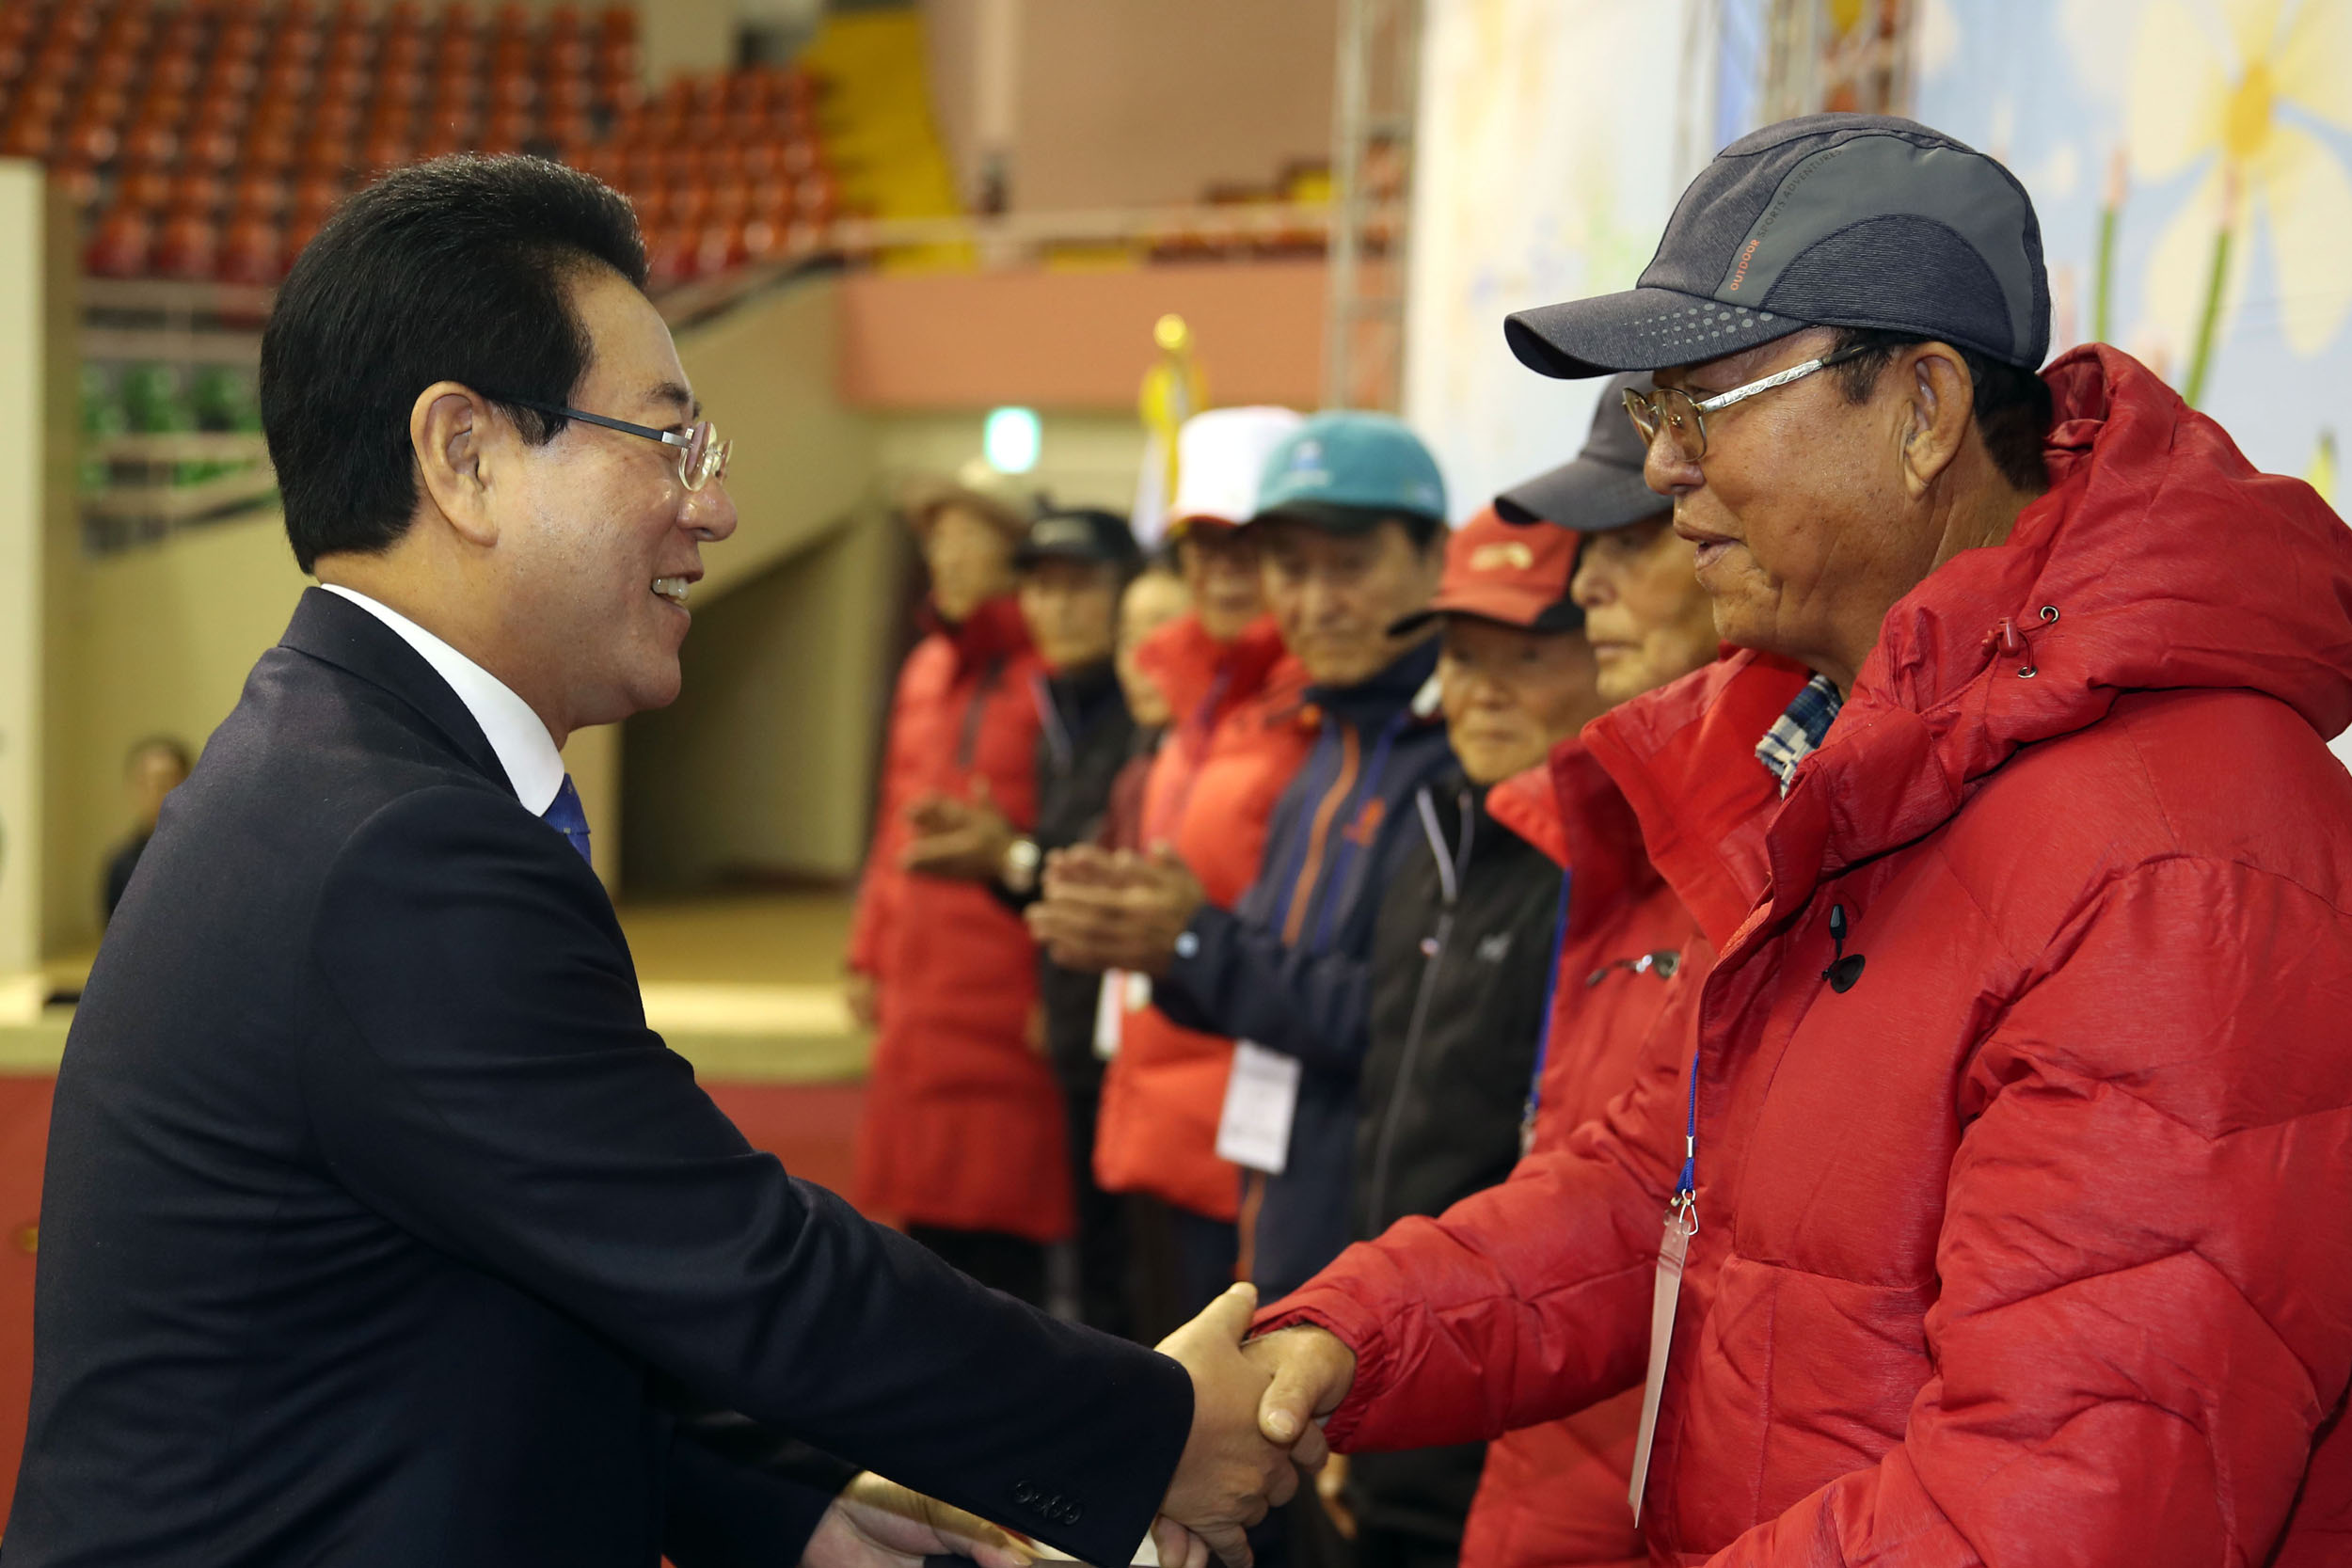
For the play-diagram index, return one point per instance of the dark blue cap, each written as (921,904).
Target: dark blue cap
(1831,220)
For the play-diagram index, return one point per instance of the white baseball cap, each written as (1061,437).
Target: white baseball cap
(1219,457)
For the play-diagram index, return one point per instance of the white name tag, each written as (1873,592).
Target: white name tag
(1260,1098)
(1124,991)
(1681,1224)
(1110,1013)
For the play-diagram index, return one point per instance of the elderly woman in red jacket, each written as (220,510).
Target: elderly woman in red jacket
(962,1139)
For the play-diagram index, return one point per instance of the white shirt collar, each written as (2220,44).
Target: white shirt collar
(524,748)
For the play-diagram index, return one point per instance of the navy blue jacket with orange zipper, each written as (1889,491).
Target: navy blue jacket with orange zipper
(1289,968)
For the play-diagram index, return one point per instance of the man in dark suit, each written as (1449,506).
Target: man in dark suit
(378,1230)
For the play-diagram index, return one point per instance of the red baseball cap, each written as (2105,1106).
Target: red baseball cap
(1516,576)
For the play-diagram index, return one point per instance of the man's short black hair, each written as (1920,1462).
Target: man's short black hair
(454,270)
(2012,405)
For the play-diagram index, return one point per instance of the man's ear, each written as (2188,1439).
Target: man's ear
(1939,405)
(452,433)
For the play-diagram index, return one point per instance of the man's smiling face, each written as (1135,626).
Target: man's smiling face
(608,540)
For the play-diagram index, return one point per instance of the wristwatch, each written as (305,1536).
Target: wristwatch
(1019,870)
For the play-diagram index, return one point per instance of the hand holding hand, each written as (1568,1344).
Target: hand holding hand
(1229,1476)
(880,1524)
(1308,1372)
(964,839)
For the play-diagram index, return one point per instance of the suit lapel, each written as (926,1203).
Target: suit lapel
(332,629)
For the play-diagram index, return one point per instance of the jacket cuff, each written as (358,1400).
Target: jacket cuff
(1191,983)
(1330,1308)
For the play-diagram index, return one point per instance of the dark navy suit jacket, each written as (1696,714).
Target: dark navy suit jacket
(378,1230)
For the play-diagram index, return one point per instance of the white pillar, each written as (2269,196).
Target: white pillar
(24,512)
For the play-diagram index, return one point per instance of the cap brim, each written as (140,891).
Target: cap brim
(1349,522)
(1584,495)
(1641,329)
(1524,611)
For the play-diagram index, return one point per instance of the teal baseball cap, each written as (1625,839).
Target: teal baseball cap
(1344,470)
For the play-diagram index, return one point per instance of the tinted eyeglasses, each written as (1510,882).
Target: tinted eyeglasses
(702,456)
(1683,418)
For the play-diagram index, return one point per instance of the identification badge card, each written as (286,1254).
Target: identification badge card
(1125,991)
(1260,1099)
(1674,1250)
(1110,1014)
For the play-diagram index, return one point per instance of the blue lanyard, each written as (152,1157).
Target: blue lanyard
(1551,998)
(1686,1184)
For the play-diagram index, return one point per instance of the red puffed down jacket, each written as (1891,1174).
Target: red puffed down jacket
(2021,1243)
(962,1124)
(1553,1495)
(1239,736)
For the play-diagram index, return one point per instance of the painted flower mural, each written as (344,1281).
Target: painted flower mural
(2232,91)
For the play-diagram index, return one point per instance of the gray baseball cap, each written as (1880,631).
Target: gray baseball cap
(1602,488)
(1831,220)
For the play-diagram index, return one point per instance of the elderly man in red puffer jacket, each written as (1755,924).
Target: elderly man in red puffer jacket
(2009,1139)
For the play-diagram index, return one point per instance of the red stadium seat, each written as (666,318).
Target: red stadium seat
(253,251)
(121,246)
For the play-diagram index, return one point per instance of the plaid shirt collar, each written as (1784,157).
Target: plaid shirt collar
(1799,732)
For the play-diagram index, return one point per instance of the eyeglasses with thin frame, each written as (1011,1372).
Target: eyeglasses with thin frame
(702,456)
(1683,418)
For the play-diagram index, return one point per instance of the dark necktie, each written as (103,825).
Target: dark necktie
(565,815)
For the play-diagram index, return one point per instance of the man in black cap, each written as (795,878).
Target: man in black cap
(1071,569)
(1987,1149)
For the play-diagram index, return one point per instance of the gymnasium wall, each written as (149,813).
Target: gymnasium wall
(1141,103)
(158,640)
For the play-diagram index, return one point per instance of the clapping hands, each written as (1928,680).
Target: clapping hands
(1102,908)
(963,839)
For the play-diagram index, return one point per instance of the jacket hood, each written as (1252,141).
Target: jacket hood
(2160,559)
(994,630)
(1188,665)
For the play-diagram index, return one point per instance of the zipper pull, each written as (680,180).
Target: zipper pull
(1843,969)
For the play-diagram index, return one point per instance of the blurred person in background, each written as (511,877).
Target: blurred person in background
(152,770)
(1235,738)
(1071,569)
(1554,1495)
(1461,962)
(962,1137)
(1351,526)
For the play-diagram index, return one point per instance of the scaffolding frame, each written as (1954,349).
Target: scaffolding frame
(1374,103)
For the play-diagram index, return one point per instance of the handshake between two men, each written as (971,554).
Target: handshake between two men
(1254,1432)
(1254,1426)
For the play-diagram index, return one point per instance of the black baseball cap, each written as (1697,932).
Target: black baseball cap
(1602,488)
(1830,220)
(1078,533)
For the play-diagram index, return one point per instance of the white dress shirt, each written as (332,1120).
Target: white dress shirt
(524,747)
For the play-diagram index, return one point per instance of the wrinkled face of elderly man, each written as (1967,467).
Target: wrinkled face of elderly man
(1815,504)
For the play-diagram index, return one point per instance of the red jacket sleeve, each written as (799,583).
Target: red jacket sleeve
(881,883)
(2146,1312)
(1523,1302)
